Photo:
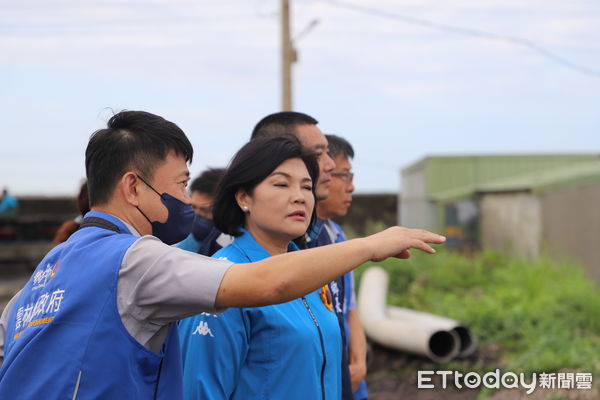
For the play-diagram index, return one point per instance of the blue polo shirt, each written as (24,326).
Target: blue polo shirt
(285,351)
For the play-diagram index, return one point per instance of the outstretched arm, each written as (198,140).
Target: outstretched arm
(288,276)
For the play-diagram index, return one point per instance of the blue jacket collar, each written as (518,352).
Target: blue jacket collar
(251,249)
(335,230)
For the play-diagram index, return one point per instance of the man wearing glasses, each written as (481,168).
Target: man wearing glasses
(336,205)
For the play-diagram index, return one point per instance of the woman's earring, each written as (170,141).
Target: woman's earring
(245,208)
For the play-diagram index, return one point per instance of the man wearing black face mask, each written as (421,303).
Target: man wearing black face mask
(96,320)
(205,239)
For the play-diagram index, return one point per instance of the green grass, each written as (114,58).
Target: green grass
(528,317)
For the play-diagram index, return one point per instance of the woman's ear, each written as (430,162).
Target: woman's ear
(243,200)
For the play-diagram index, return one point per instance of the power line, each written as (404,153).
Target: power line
(468,32)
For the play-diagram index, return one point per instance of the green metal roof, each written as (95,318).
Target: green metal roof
(534,181)
(451,176)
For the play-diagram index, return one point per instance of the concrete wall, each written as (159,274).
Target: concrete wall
(416,211)
(571,225)
(511,222)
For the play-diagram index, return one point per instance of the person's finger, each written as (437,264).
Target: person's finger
(404,254)
(429,237)
(421,245)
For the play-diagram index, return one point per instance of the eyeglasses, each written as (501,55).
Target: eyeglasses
(345,176)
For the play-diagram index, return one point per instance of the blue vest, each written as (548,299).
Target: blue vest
(65,338)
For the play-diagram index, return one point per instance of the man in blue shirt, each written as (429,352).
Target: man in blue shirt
(336,205)
(205,238)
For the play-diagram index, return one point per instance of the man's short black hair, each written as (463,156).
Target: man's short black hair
(83,199)
(284,122)
(338,146)
(207,181)
(254,162)
(132,141)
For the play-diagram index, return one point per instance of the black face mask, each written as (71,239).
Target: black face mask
(202,227)
(179,222)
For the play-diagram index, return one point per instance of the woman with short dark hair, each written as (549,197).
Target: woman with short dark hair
(290,350)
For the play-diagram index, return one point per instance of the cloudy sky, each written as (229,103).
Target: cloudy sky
(400,79)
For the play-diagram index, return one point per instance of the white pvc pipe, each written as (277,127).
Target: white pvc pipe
(439,344)
(465,337)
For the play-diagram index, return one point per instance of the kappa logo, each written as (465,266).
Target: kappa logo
(203,329)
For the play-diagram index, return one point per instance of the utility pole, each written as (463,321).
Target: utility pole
(288,57)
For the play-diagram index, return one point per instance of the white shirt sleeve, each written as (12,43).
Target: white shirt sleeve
(159,284)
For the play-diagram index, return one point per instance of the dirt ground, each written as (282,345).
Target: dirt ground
(393,376)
